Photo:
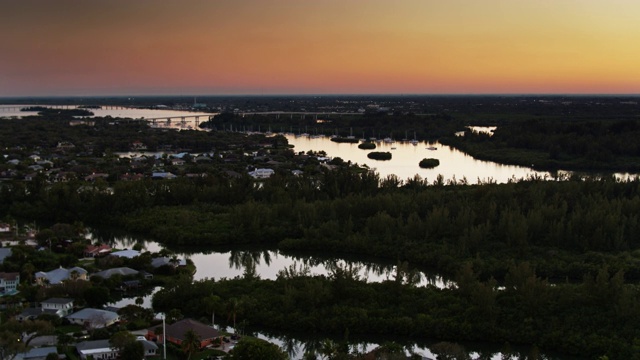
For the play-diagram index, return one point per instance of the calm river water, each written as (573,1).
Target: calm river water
(454,164)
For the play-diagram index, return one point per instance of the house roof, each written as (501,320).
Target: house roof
(148,345)
(93,346)
(161,261)
(128,253)
(40,352)
(35,312)
(97,249)
(93,314)
(178,329)
(57,276)
(9,276)
(4,253)
(163,175)
(58,301)
(124,271)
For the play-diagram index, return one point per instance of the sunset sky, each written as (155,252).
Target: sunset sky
(187,47)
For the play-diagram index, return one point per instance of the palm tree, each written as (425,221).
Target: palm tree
(191,343)
(174,261)
(28,270)
(211,303)
(329,349)
(233,307)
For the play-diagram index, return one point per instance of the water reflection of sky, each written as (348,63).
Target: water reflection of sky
(268,263)
(406,157)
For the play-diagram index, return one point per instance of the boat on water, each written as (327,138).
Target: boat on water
(388,140)
(432,148)
(414,141)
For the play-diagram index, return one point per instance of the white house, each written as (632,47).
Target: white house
(94,318)
(177,162)
(102,350)
(61,306)
(96,349)
(150,348)
(262,173)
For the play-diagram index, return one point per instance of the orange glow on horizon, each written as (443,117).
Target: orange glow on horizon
(72,47)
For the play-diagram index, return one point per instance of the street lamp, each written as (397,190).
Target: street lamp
(164,335)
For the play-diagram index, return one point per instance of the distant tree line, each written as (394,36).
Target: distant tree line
(568,144)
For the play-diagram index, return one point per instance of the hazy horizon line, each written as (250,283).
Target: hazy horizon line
(316,95)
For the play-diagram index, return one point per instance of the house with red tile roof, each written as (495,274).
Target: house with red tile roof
(175,332)
(96,250)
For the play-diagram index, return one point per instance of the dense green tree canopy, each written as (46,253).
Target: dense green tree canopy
(251,348)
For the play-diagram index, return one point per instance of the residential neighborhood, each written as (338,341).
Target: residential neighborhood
(134,160)
(90,324)
(55,275)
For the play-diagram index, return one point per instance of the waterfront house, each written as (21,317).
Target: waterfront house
(96,250)
(126,253)
(162,261)
(122,271)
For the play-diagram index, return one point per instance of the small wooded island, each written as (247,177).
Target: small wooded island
(429,163)
(368,145)
(379,155)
